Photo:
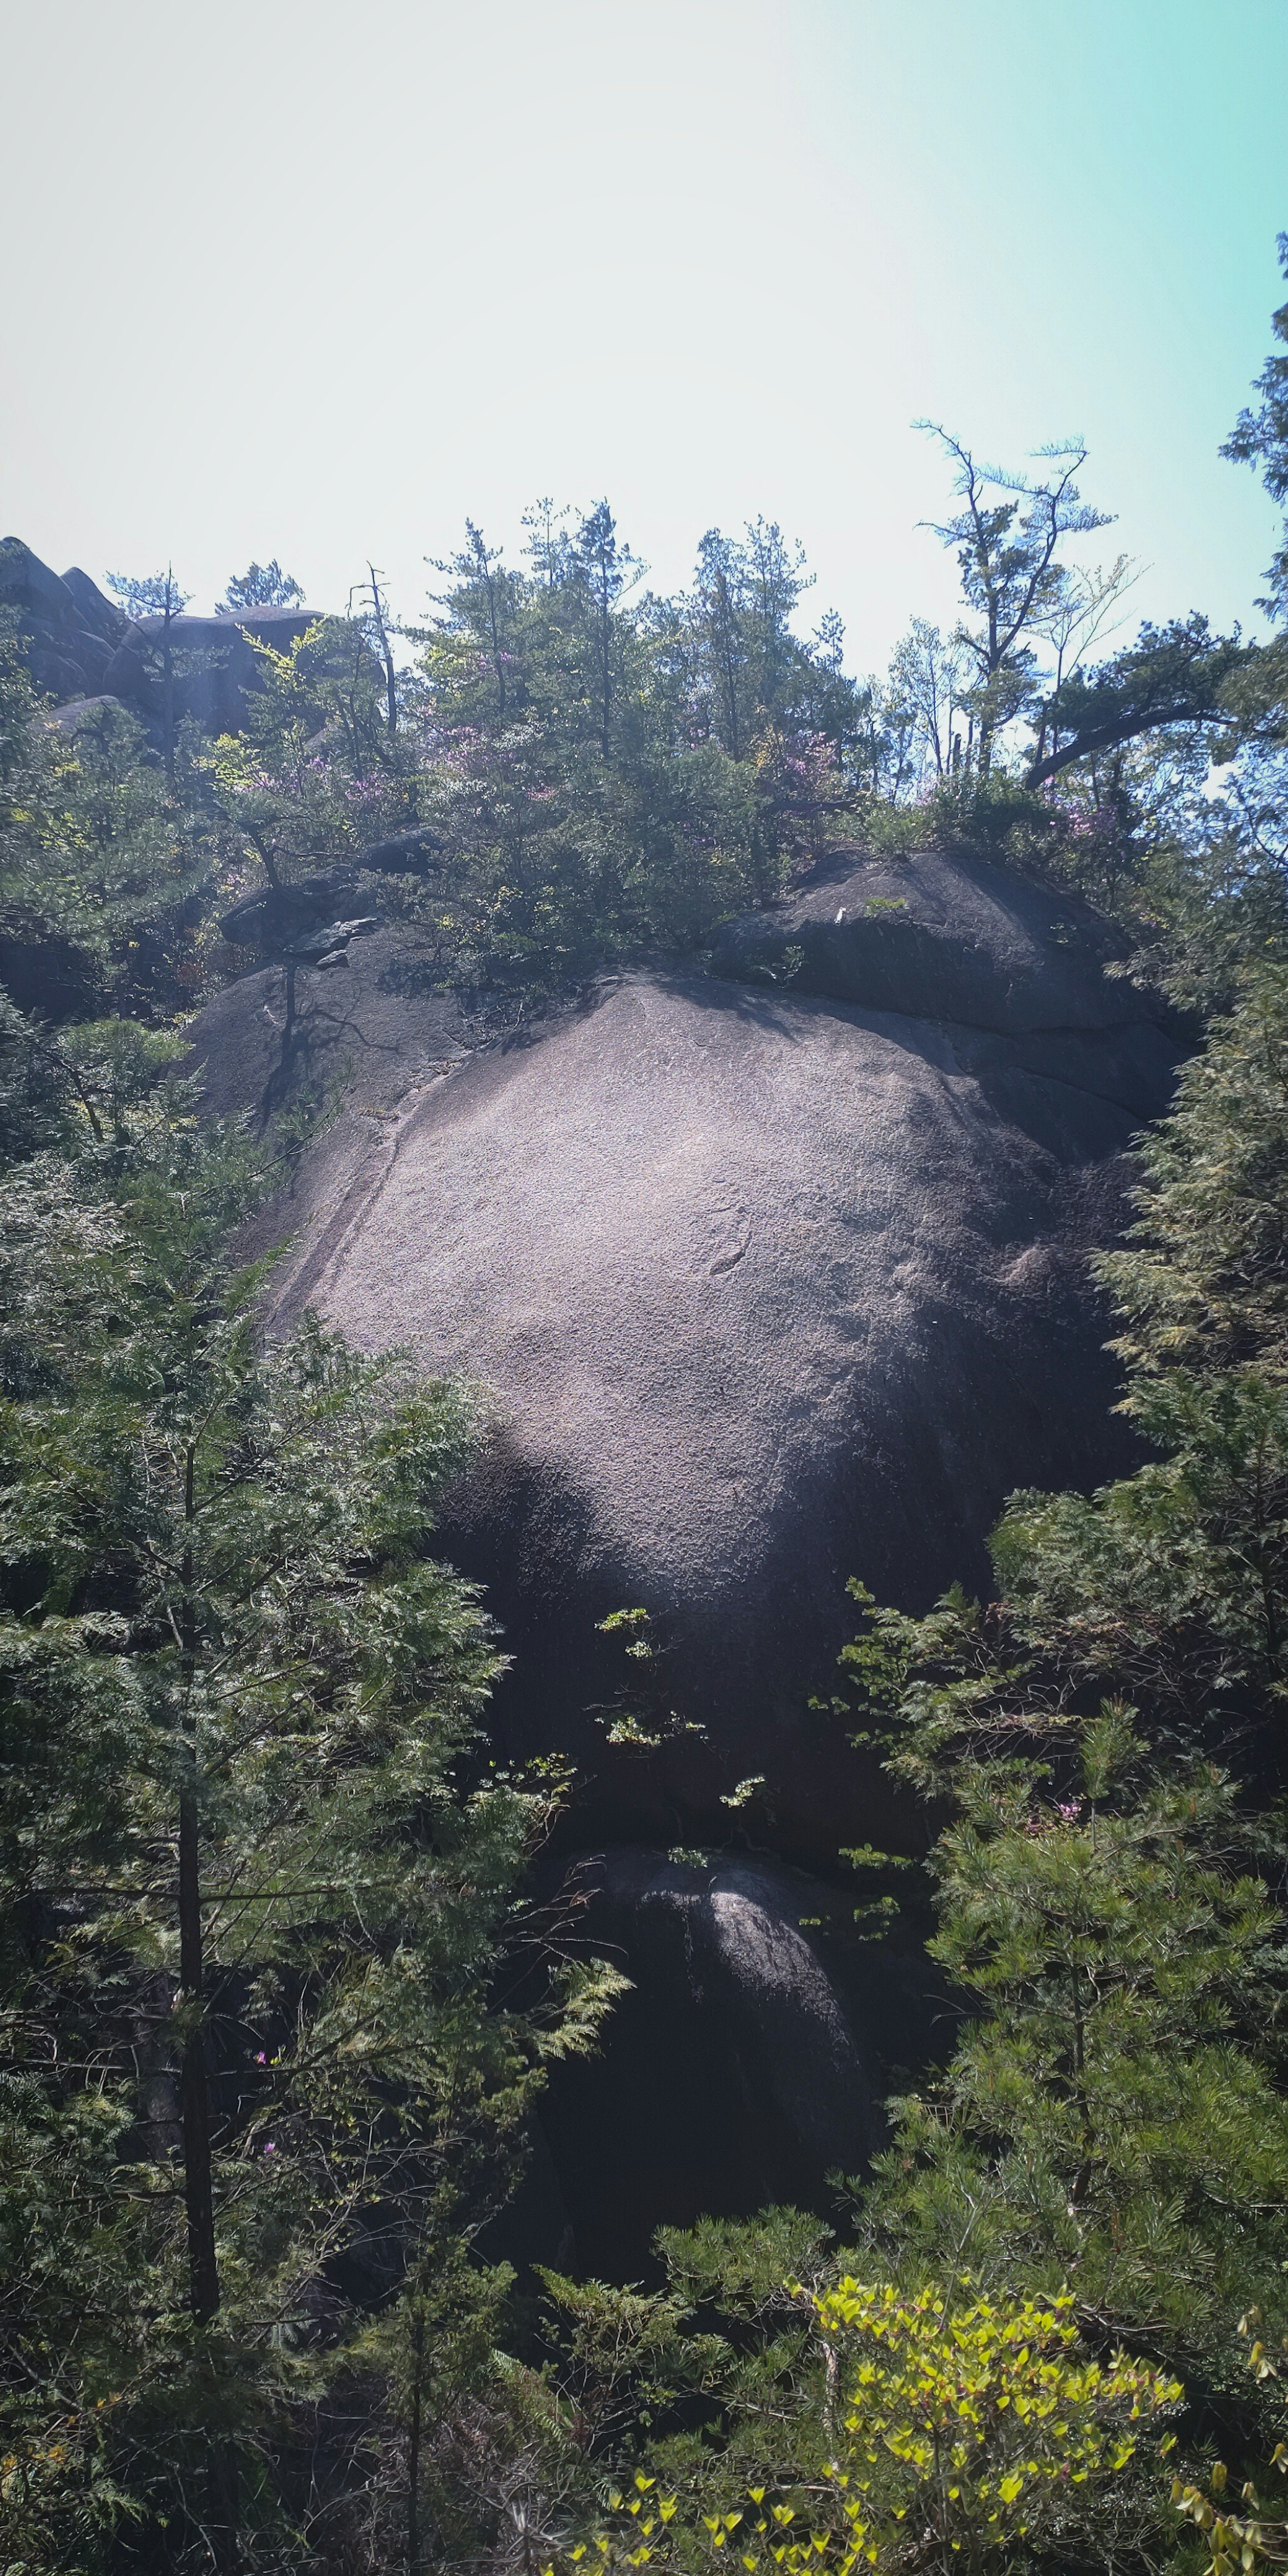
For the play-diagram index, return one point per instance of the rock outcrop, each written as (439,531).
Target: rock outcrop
(766,1286)
(742,2066)
(768,1277)
(82,649)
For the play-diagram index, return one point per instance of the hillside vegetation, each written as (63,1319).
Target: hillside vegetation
(276,1997)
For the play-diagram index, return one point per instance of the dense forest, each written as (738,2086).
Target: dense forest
(279,1987)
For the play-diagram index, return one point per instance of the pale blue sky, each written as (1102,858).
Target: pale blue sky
(299,278)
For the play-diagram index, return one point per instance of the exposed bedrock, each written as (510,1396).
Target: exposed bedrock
(771,1277)
(84,652)
(765,1288)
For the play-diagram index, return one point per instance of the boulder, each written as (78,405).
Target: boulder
(767,1278)
(275,919)
(734,2075)
(98,615)
(215,662)
(69,631)
(80,645)
(75,713)
(932,936)
(764,1285)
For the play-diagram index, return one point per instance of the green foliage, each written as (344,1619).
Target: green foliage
(261,586)
(610,772)
(962,2430)
(1009,538)
(103,876)
(316,773)
(1261,438)
(256,1879)
(154,594)
(1172,1585)
(1113,2116)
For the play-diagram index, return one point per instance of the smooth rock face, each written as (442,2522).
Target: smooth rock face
(766,1287)
(766,1283)
(69,630)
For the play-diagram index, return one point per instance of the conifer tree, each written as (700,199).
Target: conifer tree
(1109,1739)
(255,1876)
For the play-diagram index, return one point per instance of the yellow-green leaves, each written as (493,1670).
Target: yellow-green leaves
(964,2425)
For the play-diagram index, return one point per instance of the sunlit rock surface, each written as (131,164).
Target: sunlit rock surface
(771,1275)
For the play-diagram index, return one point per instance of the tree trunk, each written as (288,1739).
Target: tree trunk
(167,653)
(203,2274)
(414,2443)
(203,2270)
(391,693)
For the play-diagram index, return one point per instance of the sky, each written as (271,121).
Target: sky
(300,279)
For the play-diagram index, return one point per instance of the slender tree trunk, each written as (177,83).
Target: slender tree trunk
(489,589)
(270,863)
(414,2443)
(167,655)
(1082,2179)
(391,694)
(203,2274)
(203,2270)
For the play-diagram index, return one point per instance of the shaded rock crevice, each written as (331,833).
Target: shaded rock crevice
(745,2065)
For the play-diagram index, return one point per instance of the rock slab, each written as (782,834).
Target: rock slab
(764,1284)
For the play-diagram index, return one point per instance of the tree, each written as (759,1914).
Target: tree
(928,675)
(1082,613)
(316,772)
(605,570)
(749,673)
(1172,675)
(548,541)
(261,586)
(777,576)
(379,620)
(961,2431)
(720,618)
(1012,577)
(552,851)
(255,1878)
(1110,2117)
(1261,438)
(104,876)
(157,595)
(1113,2114)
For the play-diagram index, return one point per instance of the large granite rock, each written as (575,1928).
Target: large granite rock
(980,947)
(767,1277)
(81,648)
(766,1284)
(217,668)
(69,631)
